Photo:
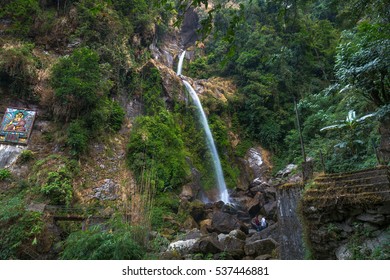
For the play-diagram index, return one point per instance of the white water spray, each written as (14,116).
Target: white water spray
(223,193)
(180,65)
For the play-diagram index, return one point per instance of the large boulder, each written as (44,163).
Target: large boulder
(224,223)
(269,210)
(237,234)
(205,226)
(189,224)
(106,190)
(182,246)
(272,231)
(260,247)
(234,247)
(287,170)
(197,210)
(207,244)
(254,204)
(187,193)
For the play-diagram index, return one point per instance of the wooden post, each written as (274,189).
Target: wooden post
(299,130)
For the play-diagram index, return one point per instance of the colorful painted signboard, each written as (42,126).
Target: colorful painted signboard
(16,126)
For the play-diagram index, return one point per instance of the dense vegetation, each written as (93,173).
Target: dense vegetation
(323,54)
(81,61)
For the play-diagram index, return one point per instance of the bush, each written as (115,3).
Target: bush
(25,156)
(18,228)
(116,116)
(77,138)
(22,13)
(18,69)
(156,147)
(98,22)
(4,174)
(79,84)
(102,243)
(58,187)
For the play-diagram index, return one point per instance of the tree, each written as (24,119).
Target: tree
(79,84)
(362,66)
(349,127)
(363,59)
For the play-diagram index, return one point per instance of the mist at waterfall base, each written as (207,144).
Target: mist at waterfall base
(223,193)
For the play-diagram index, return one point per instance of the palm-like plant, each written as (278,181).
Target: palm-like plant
(349,126)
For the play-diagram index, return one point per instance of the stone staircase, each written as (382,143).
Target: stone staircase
(365,186)
(345,209)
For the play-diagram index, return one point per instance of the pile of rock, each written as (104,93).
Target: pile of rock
(234,245)
(223,232)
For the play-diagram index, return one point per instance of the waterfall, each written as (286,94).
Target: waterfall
(9,154)
(223,193)
(180,65)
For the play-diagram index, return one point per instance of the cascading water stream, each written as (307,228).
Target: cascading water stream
(223,193)
(180,65)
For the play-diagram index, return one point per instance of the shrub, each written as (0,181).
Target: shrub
(116,117)
(156,145)
(79,84)
(22,13)
(4,174)
(26,156)
(77,138)
(98,22)
(18,69)
(58,187)
(18,228)
(102,243)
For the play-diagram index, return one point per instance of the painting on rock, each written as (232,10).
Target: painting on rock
(16,126)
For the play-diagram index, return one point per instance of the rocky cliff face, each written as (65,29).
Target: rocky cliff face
(347,216)
(189,28)
(290,226)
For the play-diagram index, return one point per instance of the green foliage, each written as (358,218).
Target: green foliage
(139,13)
(18,70)
(156,145)
(58,187)
(220,135)
(26,156)
(242,147)
(81,96)
(116,116)
(360,252)
(22,13)
(199,68)
(362,61)
(79,84)
(99,22)
(77,137)
(18,228)
(52,177)
(104,242)
(4,174)
(157,218)
(151,88)
(164,205)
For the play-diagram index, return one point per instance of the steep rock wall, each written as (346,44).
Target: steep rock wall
(347,216)
(290,227)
